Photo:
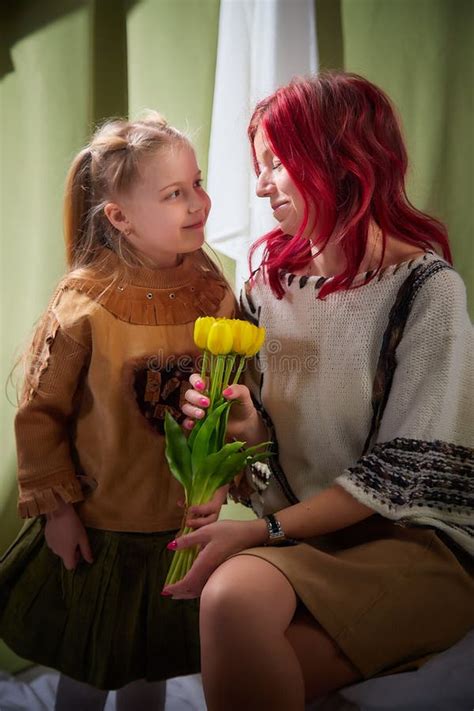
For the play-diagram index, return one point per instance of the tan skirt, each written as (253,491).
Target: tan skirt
(390,596)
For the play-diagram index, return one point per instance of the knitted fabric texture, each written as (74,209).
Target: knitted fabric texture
(314,383)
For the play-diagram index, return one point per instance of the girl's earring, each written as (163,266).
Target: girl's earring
(127,232)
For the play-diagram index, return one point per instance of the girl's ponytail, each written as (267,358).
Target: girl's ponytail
(78,204)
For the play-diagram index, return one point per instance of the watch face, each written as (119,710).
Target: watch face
(276,537)
(275,531)
(278,534)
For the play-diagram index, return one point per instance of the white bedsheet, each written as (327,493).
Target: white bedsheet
(445,683)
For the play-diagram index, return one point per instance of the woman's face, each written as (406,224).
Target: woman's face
(275,183)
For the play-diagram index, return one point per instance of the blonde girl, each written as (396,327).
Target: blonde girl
(80,587)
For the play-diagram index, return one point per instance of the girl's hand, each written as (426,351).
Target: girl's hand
(244,421)
(218,542)
(205,514)
(66,536)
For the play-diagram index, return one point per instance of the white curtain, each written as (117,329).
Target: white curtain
(262,44)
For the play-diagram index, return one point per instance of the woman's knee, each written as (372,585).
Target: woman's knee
(248,588)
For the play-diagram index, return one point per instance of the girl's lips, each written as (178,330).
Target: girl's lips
(196,226)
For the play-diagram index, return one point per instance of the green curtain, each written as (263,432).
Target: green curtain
(44,104)
(64,66)
(67,64)
(421,53)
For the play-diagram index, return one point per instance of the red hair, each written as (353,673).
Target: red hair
(338,137)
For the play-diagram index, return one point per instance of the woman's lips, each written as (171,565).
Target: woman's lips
(279,209)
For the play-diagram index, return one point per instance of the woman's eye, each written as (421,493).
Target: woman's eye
(276,166)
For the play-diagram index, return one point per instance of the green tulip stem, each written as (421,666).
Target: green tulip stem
(181,559)
(230,360)
(239,370)
(205,365)
(216,380)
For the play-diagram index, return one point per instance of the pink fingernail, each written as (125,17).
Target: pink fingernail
(172,546)
(199,385)
(166,594)
(204,401)
(227,391)
(189,425)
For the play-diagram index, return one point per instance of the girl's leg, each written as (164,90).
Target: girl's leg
(141,694)
(74,695)
(251,656)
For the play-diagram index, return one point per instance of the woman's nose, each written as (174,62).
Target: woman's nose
(265,186)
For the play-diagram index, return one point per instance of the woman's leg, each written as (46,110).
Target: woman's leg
(251,658)
(141,694)
(246,660)
(324,666)
(74,695)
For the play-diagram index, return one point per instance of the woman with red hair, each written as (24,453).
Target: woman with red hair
(359,561)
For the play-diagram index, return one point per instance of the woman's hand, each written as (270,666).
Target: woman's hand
(218,542)
(66,536)
(208,513)
(244,421)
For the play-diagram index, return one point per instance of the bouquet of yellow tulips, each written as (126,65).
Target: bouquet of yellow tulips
(203,462)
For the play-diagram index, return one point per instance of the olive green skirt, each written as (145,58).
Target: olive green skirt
(105,624)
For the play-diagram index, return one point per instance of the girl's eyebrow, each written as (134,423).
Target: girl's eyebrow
(178,182)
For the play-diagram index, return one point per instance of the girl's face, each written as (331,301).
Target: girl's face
(275,183)
(166,210)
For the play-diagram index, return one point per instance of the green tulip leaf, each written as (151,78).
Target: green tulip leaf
(201,443)
(177,452)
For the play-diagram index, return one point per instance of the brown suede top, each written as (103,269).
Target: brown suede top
(106,368)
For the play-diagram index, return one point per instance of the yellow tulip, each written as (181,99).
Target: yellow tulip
(243,336)
(258,339)
(220,338)
(202,326)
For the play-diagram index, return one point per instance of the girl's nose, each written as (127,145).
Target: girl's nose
(265,186)
(198,202)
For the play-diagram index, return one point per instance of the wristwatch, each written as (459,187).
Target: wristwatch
(276,533)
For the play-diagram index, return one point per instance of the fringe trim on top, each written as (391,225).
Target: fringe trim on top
(154,307)
(43,502)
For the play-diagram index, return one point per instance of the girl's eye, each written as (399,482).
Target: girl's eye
(198,183)
(174,194)
(276,166)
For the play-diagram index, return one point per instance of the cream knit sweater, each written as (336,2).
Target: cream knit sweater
(314,381)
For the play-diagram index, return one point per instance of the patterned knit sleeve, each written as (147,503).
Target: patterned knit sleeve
(421,468)
(45,417)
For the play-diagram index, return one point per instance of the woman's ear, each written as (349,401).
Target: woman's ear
(117,217)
